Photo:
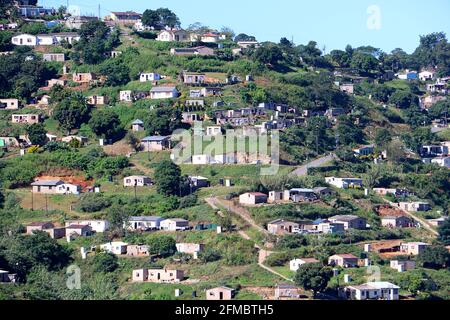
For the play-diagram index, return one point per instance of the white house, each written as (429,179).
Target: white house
(164,92)
(174,224)
(213,130)
(96,225)
(426,75)
(68,188)
(24,40)
(143,223)
(126,95)
(137,181)
(414,206)
(252,198)
(9,104)
(442,161)
(344,183)
(402,266)
(173,35)
(378,290)
(144,77)
(117,247)
(296,263)
(44,39)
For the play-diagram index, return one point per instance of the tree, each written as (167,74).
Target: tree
(440,110)
(22,253)
(105,123)
(116,71)
(71,112)
(163,121)
(313,276)
(372,176)
(167,178)
(163,245)
(341,58)
(150,18)
(117,216)
(105,262)
(160,18)
(244,37)
(268,54)
(403,99)
(364,63)
(94,41)
(382,137)
(434,257)
(5,7)
(37,134)
(348,131)
(444,232)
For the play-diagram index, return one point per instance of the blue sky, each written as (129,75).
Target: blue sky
(331,23)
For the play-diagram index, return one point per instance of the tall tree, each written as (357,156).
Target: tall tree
(313,276)
(37,134)
(167,178)
(71,112)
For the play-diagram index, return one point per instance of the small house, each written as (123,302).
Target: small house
(126,96)
(156,143)
(38,226)
(145,77)
(364,150)
(96,225)
(193,77)
(287,291)
(371,291)
(85,77)
(350,221)
(174,224)
(9,104)
(197,182)
(163,92)
(296,263)
(415,206)
(46,186)
(413,248)
(281,227)
(190,248)
(173,35)
(344,260)
(58,57)
(97,100)
(344,183)
(25,118)
(396,222)
(137,125)
(220,293)
(116,247)
(157,275)
(137,181)
(402,266)
(143,223)
(82,230)
(252,198)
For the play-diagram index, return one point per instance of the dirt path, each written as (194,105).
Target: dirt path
(241,212)
(244,214)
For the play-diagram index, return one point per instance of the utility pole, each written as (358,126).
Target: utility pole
(32,200)
(99,11)
(46,203)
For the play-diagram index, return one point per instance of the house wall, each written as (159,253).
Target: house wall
(219,294)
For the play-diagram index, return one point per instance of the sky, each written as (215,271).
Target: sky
(385,24)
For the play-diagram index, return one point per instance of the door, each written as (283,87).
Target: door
(221,296)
